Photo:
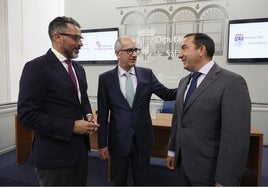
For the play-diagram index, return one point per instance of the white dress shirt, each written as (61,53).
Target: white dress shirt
(122,79)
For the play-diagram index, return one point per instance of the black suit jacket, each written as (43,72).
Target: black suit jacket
(48,104)
(126,122)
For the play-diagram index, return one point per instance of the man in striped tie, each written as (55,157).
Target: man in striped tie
(53,102)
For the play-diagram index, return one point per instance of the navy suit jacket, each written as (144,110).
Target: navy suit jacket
(124,121)
(48,103)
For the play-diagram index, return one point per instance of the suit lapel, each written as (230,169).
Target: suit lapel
(62,73)
(140,86)
(181,91)
(208,80)
(115,83)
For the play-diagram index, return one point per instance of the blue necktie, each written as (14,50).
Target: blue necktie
(192,87)
(129,89)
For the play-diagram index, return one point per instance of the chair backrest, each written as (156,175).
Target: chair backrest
(168,107)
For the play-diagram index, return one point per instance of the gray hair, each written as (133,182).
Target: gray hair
(59,24)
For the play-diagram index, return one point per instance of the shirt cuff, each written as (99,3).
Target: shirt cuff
(88,115)
(171,153)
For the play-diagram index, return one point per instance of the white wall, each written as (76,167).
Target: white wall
(27,33)
(4,71)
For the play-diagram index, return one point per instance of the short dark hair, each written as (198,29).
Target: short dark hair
(203,39)
(59,24)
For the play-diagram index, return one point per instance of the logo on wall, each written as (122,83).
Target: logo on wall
(239,39)
(98,44)
(102,46)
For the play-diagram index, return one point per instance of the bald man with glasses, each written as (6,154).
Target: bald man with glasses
(126,133)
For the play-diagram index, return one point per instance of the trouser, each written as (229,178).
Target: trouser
(140,162)
(75,175)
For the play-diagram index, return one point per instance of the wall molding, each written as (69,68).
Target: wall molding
(259,107)
(7,108)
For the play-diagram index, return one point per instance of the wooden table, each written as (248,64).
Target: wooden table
(252,174)
(161,125)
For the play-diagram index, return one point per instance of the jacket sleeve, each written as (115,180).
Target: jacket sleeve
(103,113)
(161,91)
(31,110)
(235,132)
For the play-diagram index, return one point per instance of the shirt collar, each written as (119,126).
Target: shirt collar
(206,68)
(60,57)
(121,71)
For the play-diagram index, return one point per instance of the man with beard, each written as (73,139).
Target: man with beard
(53,102)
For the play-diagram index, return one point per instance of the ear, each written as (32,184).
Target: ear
(56,37)
(202,50)
(117,53)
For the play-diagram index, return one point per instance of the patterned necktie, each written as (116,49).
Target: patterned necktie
(192,86)
(71,72)
(129,89)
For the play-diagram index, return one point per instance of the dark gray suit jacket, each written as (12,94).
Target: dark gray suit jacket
(126,122)
(48,104)
(212,133)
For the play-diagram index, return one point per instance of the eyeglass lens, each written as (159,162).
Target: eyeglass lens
(131,50)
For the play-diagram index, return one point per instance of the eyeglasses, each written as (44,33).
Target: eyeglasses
(130,51)
(76,38)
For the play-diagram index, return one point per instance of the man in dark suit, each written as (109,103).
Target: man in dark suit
(210,133)
(57,108)
(127,124)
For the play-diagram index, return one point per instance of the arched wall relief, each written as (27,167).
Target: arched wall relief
(159,31)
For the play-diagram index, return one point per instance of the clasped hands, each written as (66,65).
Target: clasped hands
(86,127)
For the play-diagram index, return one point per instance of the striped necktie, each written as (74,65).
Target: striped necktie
(71,72)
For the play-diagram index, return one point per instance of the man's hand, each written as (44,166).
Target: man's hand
(90,118)
(104,153)
(85,127)
(170,162)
